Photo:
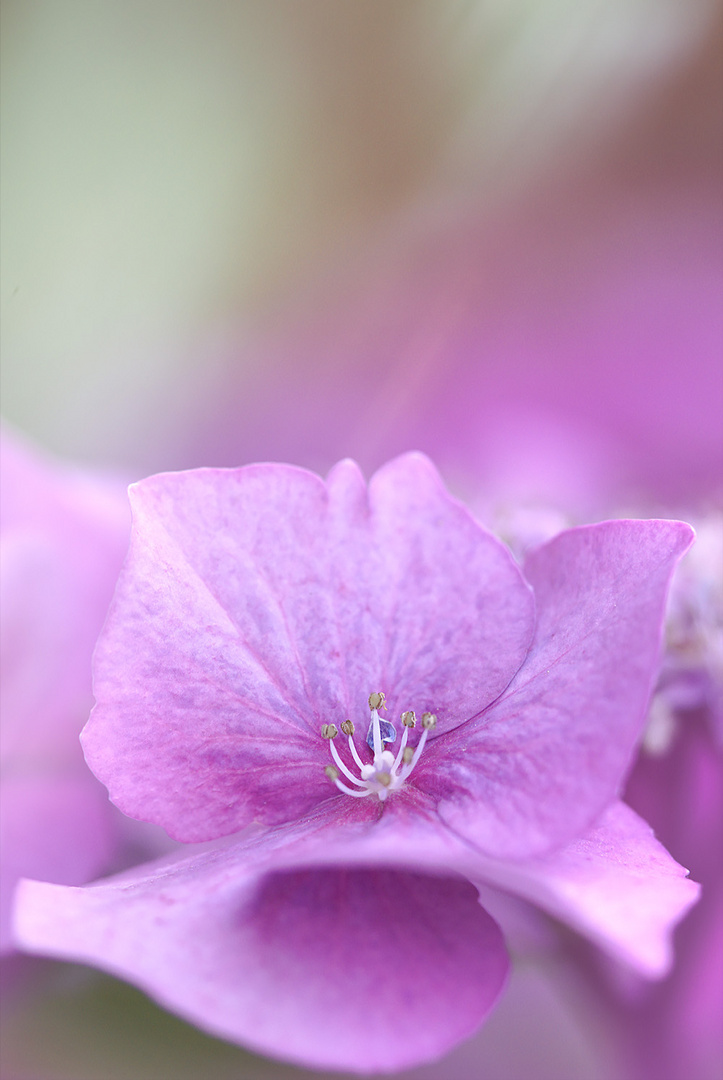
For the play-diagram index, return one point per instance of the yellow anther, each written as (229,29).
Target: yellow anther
(331,772)
(383,778)
(347,727)
(329,731)
(407,755)
(376,701)
(429,721)
(408,719)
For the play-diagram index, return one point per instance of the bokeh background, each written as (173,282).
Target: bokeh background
(236,230)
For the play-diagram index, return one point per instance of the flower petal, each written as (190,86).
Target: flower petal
(64,536)
(370,970)
(617,885)
(53,827)
(539,767)
(259,603)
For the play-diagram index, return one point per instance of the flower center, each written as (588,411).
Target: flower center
(387,772)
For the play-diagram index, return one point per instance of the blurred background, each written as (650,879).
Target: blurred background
(236,230)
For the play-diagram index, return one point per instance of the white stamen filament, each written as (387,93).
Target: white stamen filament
(417,754)
(400,751)
(383,775)
(355,753)
(377,733)
(350,775)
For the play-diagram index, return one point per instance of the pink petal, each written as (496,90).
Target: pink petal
(259,603)
(64,537)
(57,828)
(538,767)
(616,885)
(369,970)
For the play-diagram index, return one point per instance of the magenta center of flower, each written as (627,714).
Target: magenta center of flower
(387,771)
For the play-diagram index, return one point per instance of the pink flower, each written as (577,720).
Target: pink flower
(674,1028)
(64,535)
(333,919)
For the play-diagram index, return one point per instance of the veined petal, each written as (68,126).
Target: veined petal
(617,885)
(540,765)
(259,603)
(357,968)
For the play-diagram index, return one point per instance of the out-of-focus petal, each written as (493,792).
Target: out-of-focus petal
(55,827)
(64,535)
(678,1027)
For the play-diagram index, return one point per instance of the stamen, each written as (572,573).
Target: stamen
(380,731)
(349,775)
(402,747)
(420,746)
(350,791)
(383,775)
(355,754)
(375,703)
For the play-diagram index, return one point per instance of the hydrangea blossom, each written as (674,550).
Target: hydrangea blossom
(272,642)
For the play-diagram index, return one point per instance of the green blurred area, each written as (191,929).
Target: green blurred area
(73,1023)
(174,172)
(88,1026)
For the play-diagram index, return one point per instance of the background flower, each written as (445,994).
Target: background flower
(64,536)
